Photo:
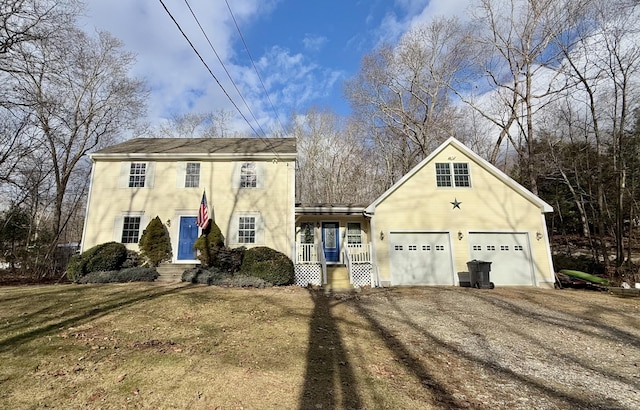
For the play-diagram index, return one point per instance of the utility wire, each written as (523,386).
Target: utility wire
(224,67)
(254,67)
(207,66)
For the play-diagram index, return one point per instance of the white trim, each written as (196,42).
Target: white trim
(193,157)
(328,210)
(545,207)
(291,215)
(547,245)
(86,213)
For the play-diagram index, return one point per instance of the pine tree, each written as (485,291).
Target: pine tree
(155,244)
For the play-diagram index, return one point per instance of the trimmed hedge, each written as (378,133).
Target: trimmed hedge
(214,276)
(269,265)
(108,256)
(137,274)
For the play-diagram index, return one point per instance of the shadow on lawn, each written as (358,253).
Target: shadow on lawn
(82,313)
(329,380)
(443,394)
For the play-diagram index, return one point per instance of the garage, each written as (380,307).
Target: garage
(420,258)
(509,254)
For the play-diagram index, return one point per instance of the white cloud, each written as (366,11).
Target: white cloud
(314,42)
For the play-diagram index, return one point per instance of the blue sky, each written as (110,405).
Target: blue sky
(304,50)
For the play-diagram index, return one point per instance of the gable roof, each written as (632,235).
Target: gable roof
(479,160)
(200,147)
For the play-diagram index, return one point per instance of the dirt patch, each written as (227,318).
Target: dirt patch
(155,346)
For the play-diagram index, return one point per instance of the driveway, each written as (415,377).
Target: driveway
(511,348)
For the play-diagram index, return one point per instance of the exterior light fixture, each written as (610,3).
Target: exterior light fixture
(460,236)
(381,235)
(538,235)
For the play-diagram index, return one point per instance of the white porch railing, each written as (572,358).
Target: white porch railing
(359,253)
(312,253)
(307,253)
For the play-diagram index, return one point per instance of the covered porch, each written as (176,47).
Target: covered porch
(332,239)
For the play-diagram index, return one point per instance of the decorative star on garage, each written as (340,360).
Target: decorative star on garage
(455,203)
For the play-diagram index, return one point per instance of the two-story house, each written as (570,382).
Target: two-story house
(451,208)
(249,184)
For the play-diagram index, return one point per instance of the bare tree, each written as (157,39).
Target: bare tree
(603,68)
(514,49)
(28,20)
(214,124)
(80,97)
(333,163)
(404,92)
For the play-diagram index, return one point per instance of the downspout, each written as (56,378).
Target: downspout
(374,259)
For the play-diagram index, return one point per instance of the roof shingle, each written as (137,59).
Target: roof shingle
(203,146)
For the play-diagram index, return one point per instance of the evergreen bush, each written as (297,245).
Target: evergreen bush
(137,274)
(155,243)
(209,244)
(104,257)
(202,276)
(268,264)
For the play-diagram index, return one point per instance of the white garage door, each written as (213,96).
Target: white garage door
(509,254)
(420,258)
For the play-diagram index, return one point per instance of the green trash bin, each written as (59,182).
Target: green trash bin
(479,274)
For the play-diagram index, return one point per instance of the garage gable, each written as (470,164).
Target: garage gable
(454,175)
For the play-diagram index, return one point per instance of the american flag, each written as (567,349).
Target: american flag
(203,213)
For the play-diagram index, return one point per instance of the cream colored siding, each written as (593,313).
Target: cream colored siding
(111,199)
(488,205)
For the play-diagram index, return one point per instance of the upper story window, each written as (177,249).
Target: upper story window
(248,175)
(137,174)
(449,174)
(354,233)
(192,175)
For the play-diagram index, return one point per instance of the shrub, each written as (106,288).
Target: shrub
(137,274)
(229,259)
(209,244)
(268,264)
(133,259)
(202,276)
(110,256)
(214,276)
(155,243)
(104,257)
(242,281)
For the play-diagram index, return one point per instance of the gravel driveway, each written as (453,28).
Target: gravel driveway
(513,348)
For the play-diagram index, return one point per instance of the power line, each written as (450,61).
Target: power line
(224,67)
(207,66)
(254,66)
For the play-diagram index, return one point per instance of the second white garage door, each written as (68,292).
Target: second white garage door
(509,254)
(420,258)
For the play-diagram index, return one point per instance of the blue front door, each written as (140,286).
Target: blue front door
(331,241)
(187,237)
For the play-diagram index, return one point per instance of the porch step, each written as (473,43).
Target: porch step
(337,279)
(171,272)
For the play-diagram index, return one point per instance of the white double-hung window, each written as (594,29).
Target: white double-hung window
(137,174)
(192,175)
(248,175)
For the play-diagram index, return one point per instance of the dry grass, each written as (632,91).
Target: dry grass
(182,346)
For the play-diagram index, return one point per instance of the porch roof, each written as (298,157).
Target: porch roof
(329,209)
